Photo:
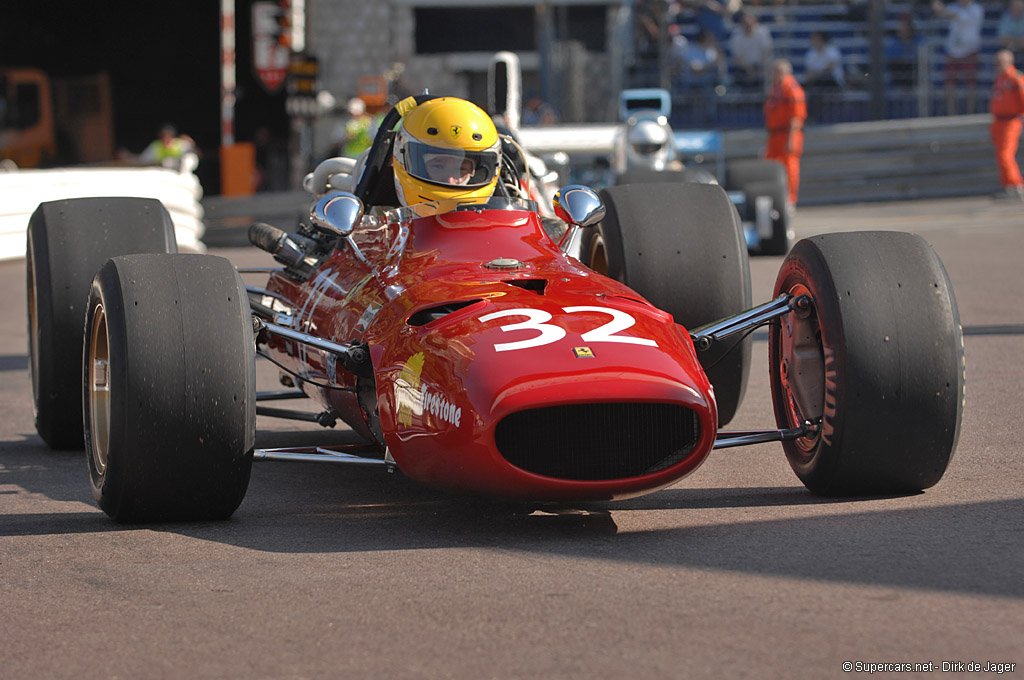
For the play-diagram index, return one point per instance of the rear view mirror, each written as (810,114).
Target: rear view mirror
(578,205)
(337,213)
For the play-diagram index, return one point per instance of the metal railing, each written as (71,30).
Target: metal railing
(791,25)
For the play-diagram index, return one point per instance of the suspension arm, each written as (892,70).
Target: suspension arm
(725,439)
(355,357)
(707,335)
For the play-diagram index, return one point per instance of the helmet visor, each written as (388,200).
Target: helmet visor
(647,148)
(450,167)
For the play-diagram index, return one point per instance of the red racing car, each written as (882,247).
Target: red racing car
(473,354)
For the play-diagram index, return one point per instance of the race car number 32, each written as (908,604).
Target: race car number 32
(537,320)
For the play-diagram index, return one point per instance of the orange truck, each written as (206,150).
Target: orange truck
(48,121)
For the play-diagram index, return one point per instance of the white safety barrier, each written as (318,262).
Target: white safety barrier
(21,192)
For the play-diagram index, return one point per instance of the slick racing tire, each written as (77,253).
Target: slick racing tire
(68,240)
(781,238)
(741,173)
(877,355)
(681,246)
(169,388)
(646,176)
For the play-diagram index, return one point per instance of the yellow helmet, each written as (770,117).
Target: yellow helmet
(446,149)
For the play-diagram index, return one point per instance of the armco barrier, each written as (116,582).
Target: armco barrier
(847,162)
(888,160)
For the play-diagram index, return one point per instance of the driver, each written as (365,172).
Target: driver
(649,145)
(446,149)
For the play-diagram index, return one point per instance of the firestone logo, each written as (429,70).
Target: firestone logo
(437,405)
(416,399)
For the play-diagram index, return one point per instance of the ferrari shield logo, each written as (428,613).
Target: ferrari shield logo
(456,130)
(583,352)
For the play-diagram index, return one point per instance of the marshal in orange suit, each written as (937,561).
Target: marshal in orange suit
(1007,105)
(785,111)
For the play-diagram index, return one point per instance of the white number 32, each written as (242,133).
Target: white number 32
(537,320)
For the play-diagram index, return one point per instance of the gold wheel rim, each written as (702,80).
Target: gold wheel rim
(99,389)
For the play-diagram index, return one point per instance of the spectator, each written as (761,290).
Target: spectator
(1011,30)
(962,46)
(751,47)
(714,15)
(1007,106)
(169,149)
(823,72)
(785,111)
(646,32)
(678,53)
(780,14)
(901,53)
(360,129)
(538,111)
(705,71)
(823,63)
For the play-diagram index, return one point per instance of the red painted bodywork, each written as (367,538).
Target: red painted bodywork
(442,386)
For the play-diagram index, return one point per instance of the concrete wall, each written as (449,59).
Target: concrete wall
(353,38)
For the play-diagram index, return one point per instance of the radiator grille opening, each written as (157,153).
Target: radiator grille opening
(592,442)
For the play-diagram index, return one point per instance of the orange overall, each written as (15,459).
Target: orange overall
(785,111)
(1007,107)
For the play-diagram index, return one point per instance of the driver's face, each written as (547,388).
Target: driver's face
(449,169)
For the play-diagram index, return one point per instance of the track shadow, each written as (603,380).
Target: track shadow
(973,547)
(300,508)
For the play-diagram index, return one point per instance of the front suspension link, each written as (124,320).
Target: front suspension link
(707,335)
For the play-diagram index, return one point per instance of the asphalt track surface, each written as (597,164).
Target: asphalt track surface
(736,572)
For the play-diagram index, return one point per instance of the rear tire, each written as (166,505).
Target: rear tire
(681,246)
(881,351)
(169,388)
(68,240)
(741,173)
(647,176)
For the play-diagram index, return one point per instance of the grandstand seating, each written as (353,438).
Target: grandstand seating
(791,25)
(917,151)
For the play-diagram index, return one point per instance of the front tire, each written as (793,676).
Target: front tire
(68,240)
(169,388)
(681,246)
(879,356)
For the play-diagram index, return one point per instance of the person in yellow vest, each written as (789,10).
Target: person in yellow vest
(168,149)
(359,130)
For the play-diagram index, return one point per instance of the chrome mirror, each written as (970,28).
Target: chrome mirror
(578,205)
(337,213)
